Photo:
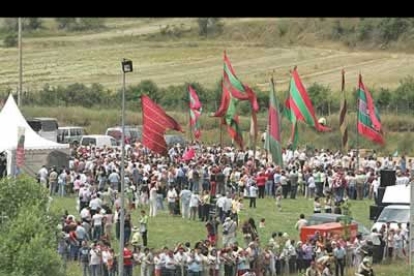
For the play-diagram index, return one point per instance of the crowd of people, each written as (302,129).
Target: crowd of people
(213,188)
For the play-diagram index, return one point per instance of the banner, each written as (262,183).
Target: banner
(20,156)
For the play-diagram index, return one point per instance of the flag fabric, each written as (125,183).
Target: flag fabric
(298,107)
(155,122)
(242,92)
(343,124)
(195,112)
(188,155)
(20,153)
(228,114)
(273,132)
(369,121)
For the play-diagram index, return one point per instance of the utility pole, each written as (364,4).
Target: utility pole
(20,63)
(126,67)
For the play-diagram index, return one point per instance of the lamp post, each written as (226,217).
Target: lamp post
(126,68)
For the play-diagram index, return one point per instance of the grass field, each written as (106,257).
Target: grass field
(165,230)
(87,57)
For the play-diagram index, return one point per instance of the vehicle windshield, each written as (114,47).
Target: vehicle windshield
(394,215)
(49,125)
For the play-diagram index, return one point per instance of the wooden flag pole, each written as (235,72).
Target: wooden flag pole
(357,133)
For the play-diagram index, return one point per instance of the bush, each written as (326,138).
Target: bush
(209,25)
(10,40)
(27,238)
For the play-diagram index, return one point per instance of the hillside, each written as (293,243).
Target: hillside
(173,55)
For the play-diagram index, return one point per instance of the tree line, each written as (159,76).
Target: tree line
(175,97)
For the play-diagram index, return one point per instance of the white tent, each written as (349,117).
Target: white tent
(37,148)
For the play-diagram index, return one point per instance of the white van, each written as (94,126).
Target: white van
(394,214)
(70,134)
(98,140)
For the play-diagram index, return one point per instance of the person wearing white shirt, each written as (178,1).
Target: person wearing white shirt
(220,204)
(311,186)
(153,201)
(43,174)
(194,203)
(97,225)
(95,204)
(171,198)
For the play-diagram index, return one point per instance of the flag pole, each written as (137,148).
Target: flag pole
(357,133)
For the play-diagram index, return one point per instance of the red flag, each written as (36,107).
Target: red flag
(195,112)
(188,155)
(155,122)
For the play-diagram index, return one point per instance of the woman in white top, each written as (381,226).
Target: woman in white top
(153,201)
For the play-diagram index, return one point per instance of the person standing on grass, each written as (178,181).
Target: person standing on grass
(194,203)
(153,200)
(270,180)
(311,186)
(276,180)
(253,195)
(339,254)
(97,220)
(293,177)
(261,182)
(171,197)
(128,266)
(143,227)
(53,180)
(278,195)
(205,206)
(84,258)
(284,182)
(94,260)
(185,196)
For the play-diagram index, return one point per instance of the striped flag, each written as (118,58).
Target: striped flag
(343,124)
(369,121)
(273,138)
(298,107)
(241,92)
(155,121)
(195,112)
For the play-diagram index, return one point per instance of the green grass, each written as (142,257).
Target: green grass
(165,230)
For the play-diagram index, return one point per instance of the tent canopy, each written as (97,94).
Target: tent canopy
(10,120)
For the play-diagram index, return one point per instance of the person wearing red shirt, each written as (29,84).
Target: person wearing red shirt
(127,261)
(270,180)
(261,182)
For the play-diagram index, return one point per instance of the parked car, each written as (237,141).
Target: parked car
(394,214)
(317,219)
(132,134)
(98,141)
(70,135)
(172,140)
(45,127)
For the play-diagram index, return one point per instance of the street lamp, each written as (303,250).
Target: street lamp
(126,68)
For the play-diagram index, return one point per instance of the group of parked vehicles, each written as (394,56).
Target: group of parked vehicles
(49,129)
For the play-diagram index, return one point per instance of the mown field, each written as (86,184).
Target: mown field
(56,57)
(165,230)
